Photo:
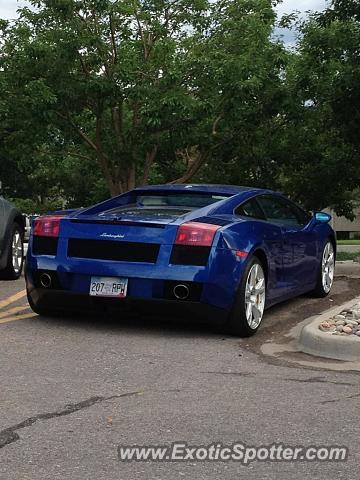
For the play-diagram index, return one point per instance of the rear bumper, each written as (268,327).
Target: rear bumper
(59,300)
(214,284)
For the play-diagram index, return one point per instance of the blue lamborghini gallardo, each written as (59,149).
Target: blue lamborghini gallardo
(215,251)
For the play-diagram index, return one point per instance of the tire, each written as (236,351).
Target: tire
(325,278)
(248,310)
(15,260)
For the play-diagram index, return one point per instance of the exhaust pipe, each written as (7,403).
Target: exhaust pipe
(181,292)
(45,280)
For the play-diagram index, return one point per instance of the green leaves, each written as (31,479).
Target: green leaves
(130,91)
(324,80)
(40,94)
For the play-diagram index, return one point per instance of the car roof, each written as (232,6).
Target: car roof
(227,190)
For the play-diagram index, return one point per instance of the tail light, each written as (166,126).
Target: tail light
(196,234)
(47,226)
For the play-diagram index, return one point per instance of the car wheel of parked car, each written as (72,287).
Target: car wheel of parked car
(326,272)
(249,306)
(15,261)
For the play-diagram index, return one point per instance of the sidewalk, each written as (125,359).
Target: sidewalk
(348,248)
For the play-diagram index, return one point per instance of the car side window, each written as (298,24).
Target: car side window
(280,211)
(250,209)
(303,216)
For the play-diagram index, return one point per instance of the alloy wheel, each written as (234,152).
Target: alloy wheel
(328,267)
(255,296)
(17,252)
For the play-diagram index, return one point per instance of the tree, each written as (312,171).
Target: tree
(322,122)
(145,89)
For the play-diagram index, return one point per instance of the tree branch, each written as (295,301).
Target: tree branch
(113,42)
(216,123)
(149,161)
(97,147)
(83,65)
(83,135)
(141,32)
(194,164)
(61,154)
(117,119)
(103,158)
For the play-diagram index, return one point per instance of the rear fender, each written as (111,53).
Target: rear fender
(256,236)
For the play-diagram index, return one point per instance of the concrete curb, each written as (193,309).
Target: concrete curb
(323,344)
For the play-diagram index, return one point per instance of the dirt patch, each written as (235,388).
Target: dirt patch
(281,319)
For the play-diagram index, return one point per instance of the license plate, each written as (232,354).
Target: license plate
(108,287)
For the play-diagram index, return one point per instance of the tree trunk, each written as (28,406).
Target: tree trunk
(149,161)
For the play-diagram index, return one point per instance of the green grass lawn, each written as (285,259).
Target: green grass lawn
(348,242)
(341,256)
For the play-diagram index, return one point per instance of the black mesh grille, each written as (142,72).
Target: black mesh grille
(185,255)
(44,246)
(212,221)
(117,251)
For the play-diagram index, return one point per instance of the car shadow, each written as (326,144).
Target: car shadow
(151,324)
(169,325)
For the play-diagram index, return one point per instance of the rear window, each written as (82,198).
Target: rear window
(178,200)
(172,203)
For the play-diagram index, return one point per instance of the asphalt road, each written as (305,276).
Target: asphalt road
(72,390)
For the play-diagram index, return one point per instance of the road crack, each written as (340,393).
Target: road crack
(10,435)
(319,380)
(236,374)
(348,397)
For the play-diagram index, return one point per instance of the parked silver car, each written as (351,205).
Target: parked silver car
(12,226)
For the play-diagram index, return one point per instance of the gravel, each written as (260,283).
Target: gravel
(345,323)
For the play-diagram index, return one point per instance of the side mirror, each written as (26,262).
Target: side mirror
(322,217)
